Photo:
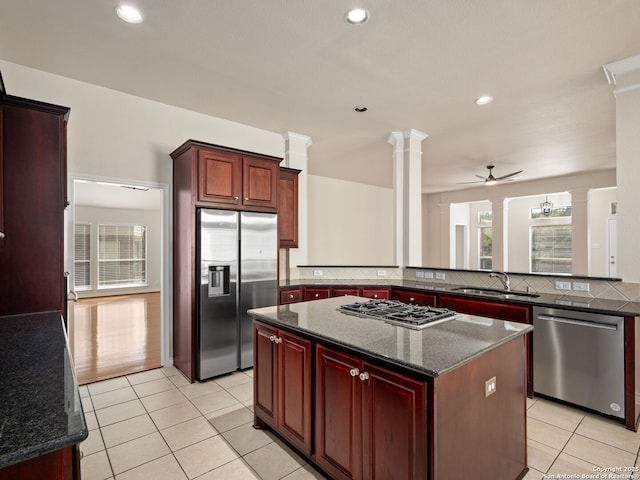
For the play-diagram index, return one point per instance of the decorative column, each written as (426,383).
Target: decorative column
(500,229)
(580,231)
(296,156)
(625,76)
(407,183)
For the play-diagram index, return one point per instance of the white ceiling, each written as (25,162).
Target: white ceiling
(296,65)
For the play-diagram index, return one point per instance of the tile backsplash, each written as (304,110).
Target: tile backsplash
(597,288)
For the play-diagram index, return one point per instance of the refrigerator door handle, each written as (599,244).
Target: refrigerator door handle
(219,280)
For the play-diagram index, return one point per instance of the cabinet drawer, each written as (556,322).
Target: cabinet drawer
(422,299)
(377,293)
(291,296)
(341,292)
(314,293)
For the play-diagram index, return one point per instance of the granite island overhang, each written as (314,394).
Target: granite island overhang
(362,398)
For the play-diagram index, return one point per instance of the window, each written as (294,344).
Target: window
(485,248)
(122,256)
(81,256)
(551,241)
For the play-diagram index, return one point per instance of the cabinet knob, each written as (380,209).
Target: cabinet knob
(291,295)
(317,295)
(364,376)
(354,372)
(1,235)
(272,338)
(375,295)
(246,199)
(278,340)
(412,299)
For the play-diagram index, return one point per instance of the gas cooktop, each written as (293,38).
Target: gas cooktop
(398,313)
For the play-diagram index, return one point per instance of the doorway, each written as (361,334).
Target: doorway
(117,253)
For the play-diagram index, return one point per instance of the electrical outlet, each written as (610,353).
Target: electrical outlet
(581,286)
(563,285)
(490,387)
(419,274)
(317,273)
(439,275)
(382,273)
(428,274)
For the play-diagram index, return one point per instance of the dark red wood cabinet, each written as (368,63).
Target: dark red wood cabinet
(290,295)
(63,464)
(316,293)
(282,383)
(413,298)
(33,193)
(370,422)
(343,291)
(288,207)
(375,293)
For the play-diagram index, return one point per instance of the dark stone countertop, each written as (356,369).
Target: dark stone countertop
(41,409)
(431,351)
(582,304)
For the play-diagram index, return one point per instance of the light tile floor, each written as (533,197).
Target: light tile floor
(156,425)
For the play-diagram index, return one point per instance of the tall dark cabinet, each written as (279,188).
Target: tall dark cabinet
(32,202)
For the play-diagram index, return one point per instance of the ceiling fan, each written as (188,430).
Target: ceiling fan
(491,180)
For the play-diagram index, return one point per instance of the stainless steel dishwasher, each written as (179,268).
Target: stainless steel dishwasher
(578,357)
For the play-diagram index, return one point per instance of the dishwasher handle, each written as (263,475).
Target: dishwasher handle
(582,323)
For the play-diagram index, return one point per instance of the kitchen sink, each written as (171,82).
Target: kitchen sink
(495,292)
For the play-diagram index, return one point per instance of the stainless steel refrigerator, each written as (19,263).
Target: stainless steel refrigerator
(238,258)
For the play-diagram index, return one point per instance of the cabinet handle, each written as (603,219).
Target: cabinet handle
(364,376)
(412,300)
(278,340)
(1,235)
(291,295)
(354,372)
(273,338)
(246,199)
(317,295)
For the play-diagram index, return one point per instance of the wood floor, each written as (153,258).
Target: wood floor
(114,336)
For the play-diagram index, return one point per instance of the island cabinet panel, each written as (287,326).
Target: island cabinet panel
(413,298)
(282,383)
(501,311)
(476,426)
(370,422)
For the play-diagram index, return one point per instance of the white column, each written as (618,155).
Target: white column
(296,156)
(407,183)
(625,76)
(500,231)
(580,231)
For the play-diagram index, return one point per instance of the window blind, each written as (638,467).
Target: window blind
(122,256)
(81,256)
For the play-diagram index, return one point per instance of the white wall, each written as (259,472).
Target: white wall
(149,218)
(349,223)
(113,134)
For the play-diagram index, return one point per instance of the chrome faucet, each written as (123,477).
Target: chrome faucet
(503,277)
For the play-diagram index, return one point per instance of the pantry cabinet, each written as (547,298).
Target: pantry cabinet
(282,383)
(32,202)
(366,416)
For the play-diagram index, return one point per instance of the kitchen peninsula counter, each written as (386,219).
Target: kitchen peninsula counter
(42,416)
(362,398)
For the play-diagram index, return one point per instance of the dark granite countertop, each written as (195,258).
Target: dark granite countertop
(41,409)
(431,351)
(583,304)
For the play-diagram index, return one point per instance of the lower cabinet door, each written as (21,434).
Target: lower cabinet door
(394,425)
(294,406)
(338,419)
(265,383)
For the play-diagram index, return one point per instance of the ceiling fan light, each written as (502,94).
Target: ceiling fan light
(490,181)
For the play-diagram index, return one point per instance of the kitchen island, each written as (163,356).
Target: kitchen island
(362,398)
(42,420)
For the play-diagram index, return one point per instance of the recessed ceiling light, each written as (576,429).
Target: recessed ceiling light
(484,100)
(360,108)
(129,14)
(356,16)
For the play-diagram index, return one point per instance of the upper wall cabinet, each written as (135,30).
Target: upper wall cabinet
(230,178)
(288,207)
